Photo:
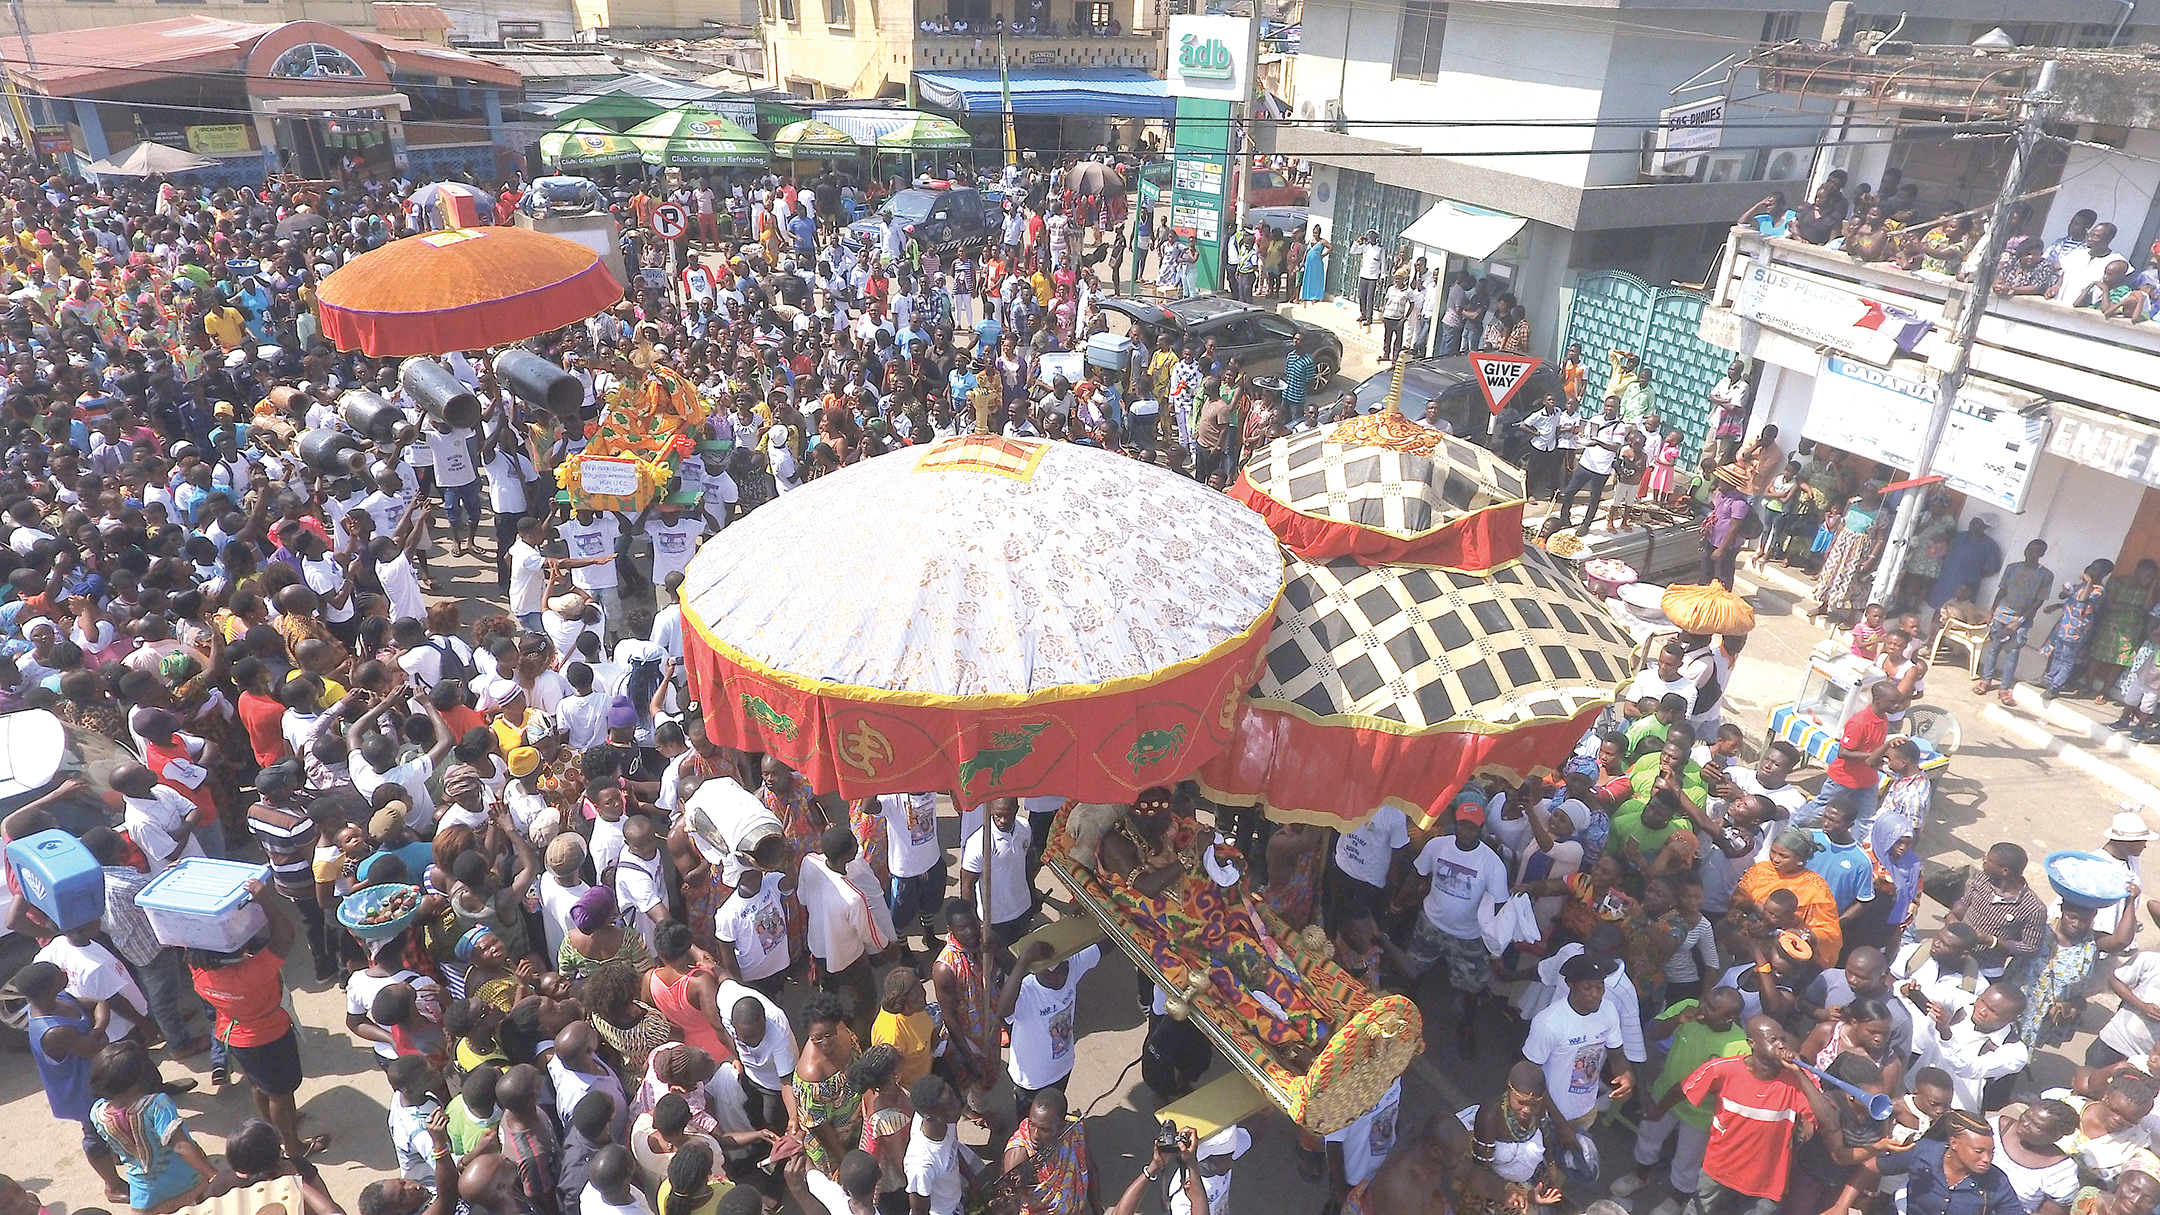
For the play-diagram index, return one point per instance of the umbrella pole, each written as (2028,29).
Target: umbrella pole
(992,1055)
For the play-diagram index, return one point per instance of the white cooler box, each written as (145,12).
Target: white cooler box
(1110,350)
(201,903)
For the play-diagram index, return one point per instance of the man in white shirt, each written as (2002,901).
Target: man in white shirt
(1372,260)
(674,540)
(1601,443)
(846,920)
(457,472)
(326,576)
(508,469)
(938,1165)
(2085,265)
(1571,1039)
(642,877)
(1662,678)
(1462,877)
(528,574)
(1041,1009)
(751,931)
(1007,899)
(590,538)
(1357,1151)
(155,816)
(1981,1051)
(1365,857)
(916,860)
(764,1046)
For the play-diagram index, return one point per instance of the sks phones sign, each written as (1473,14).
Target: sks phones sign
(1211,57)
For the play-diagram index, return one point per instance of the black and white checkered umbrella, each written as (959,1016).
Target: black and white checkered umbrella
(1410,649)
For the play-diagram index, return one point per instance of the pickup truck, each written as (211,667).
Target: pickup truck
(945,219)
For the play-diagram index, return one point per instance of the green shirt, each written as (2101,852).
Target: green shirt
(1643,774)
(1647,736)
(1693,1045)
(466,1131)
(1627,824)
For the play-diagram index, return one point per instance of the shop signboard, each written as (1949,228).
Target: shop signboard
(1989,448)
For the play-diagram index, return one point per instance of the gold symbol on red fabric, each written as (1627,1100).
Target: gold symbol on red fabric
(863,745)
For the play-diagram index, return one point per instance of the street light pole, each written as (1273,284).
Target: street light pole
(30,62)
(2034,108)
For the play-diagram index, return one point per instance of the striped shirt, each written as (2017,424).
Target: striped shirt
(288,838)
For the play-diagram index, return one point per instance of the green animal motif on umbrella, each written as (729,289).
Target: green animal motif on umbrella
(1155,746)
(1007,748)
(769,717)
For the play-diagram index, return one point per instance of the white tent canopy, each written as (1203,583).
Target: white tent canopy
(1465,231)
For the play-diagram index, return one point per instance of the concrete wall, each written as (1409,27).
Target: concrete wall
(2118,186)
(481,20)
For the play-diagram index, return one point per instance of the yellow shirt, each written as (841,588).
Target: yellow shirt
(226,327)
(912,1035)
(1041,283)
(720,1186)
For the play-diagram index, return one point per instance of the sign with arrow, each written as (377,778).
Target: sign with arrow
(1502,375)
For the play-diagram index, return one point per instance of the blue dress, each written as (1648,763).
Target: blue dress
(66,1078)
(1315,281)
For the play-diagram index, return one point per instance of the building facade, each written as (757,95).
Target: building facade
(481,21)
(1554,115)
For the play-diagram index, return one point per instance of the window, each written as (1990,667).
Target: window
(787,11)
(766,11)
(1278,328)
(1093,14)
(1417,49)
(836,12)
(520,31)
(974,12)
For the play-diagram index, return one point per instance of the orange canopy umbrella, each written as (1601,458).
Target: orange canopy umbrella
(463,289)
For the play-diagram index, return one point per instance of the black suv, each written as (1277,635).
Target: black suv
(1247,332)
(945,219)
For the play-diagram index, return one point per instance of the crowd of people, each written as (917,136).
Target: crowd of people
(649,975)
(2080,269)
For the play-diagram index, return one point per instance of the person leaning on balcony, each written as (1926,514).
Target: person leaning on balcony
(2083,267)
(1867,235)
(2024,268)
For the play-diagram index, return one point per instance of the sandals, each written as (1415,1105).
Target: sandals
(1982,687)
(314,1145)
(2005,697)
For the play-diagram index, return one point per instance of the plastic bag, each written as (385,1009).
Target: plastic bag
(1513,922)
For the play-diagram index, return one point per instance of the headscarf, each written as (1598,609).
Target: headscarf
(594,909)
(1797,842)
(469,944)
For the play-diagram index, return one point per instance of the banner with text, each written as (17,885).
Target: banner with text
(1989,448)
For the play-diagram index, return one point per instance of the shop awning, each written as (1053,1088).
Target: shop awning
(1465,231)
(1103,92)
(2109,442)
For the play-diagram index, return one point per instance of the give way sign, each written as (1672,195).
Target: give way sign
(1502,375)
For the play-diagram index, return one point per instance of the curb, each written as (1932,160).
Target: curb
(2047,742)
(2083,727)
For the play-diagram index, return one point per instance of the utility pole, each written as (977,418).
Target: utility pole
(30,63)
(2033,110)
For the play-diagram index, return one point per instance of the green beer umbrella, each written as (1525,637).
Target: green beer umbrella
(925,131)
(581,145)
(813,138)
(692,137)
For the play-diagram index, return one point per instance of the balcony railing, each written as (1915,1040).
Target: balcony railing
(2058,352)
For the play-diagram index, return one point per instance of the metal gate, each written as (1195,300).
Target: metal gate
(1617,311)
(1362,203)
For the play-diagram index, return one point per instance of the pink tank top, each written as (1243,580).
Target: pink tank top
(673,1001)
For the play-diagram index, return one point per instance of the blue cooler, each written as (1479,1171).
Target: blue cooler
(59,877)
(1113,351)
(200,903)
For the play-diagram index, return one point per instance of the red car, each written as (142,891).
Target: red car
(1272,189)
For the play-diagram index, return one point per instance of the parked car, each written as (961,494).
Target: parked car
(1245,331)
(38,754)
(944,218)
(1269,188)
(1271,192)
(1447,390)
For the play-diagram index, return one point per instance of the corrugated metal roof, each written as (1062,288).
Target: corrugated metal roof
(540,66)
(76,62)
(402,15)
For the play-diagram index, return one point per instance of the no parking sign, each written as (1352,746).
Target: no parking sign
(670,221)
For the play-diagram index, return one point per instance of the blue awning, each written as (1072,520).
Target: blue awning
(1107,92)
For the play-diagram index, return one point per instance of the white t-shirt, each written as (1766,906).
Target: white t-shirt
(1006,896)
(594,539)
(506,477)
(1042,1024)
(2127,1032)
(584,718)
(453,457)
(640,886)
(2058,1181)
(724,818)
(845,914)
(1461,882)
(360,991)
(556,900)
(93,973)
(1216,1188)
(1366,852)
(1571,1048)
(592,1202)
(402,588)
(934,1168)
(1367,1142)
(672,545)
(911,838)
(153,822)
(768,1064)
(1647,686)
(754,923)
(323,576)
(412,776)
(528,579)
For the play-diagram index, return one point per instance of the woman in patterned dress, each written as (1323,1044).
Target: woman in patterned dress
(828,1109)
(2121,628)
(1861,528)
